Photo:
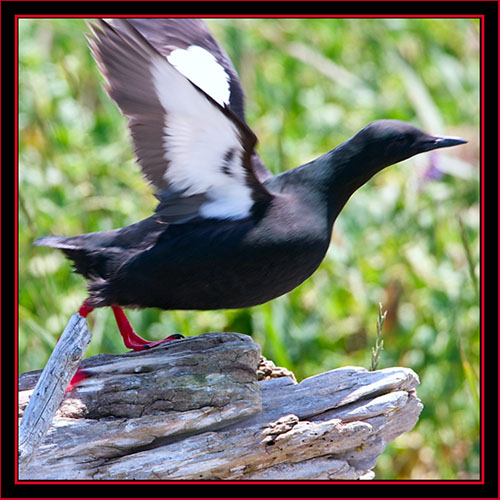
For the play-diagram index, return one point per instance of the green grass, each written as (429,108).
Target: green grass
(405,240)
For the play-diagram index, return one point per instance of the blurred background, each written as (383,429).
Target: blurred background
(408,239)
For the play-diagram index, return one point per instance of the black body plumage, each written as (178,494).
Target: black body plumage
(226,233)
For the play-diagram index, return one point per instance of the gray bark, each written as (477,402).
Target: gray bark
(195,409)
(51,386)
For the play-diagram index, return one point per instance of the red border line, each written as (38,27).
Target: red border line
(211,16)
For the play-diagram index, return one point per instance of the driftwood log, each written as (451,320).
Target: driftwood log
(51,385)
(210,407)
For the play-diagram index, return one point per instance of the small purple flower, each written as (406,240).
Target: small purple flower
(433,172)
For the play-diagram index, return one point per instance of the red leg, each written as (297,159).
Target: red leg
(85,309)
(130,338)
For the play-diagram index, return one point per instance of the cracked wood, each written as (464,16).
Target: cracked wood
(194,409)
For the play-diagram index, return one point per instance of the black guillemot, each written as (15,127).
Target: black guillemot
(226,232)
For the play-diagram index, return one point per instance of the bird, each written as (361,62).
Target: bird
(226,232)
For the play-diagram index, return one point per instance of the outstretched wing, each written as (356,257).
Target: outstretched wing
(189,46)
(192,146)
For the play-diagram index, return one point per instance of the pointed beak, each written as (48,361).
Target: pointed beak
(436,142)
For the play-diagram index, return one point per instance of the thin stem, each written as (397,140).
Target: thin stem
(379,343)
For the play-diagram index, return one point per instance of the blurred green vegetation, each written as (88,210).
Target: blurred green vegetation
(310,85)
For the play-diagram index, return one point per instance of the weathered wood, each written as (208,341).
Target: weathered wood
(51,386)
(194,409)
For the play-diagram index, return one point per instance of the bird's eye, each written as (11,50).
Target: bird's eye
(401,138)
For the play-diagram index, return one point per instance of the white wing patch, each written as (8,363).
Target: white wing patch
(202,68)
(197,139)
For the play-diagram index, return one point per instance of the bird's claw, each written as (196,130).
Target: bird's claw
(175,336)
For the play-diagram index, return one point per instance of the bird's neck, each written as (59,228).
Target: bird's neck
(336,175)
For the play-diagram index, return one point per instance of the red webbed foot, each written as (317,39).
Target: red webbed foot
(175,336)
(80,375)
(131,339)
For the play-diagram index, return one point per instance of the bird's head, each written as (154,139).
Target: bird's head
(382,143)
(385,142)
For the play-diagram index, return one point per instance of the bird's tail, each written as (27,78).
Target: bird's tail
(60,242)
(73,248)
